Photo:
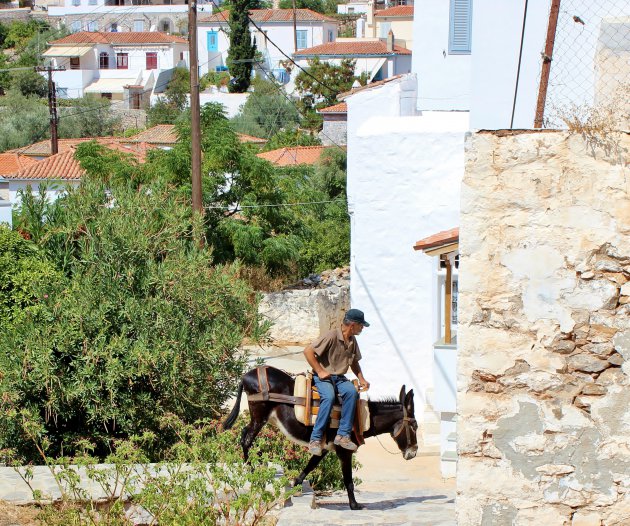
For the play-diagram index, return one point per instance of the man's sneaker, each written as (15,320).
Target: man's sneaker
(345,443)
(315,447)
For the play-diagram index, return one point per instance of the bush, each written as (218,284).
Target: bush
(143,326)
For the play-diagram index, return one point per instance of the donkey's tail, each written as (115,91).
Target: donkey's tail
(229,421)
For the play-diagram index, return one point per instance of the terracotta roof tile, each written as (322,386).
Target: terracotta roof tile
(43,148)
(399,10)
(346,94)
(165,134)
(342,107)
(62,166)
(293,156)
(124,37)
(11,163)
(446,237)
(369,47)
(272,15)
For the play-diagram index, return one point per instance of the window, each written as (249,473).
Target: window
(76,3)
(62,93)
(152,60)
(138,26)
(213,41)
(103,60)
(135,101)
(113,28)
(460,27)
(302,38)
(350,10)
(75,27)
(122,61)
(106,96)
(75,63)
(92,26)
(91,2)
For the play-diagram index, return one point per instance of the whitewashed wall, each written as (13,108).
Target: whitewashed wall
(443,79)
(404,173)
(55,188)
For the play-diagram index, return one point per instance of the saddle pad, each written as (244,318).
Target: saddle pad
(300,410)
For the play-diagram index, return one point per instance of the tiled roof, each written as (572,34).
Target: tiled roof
(43,148)
(342,107)
(165,134)
(272,15)
(377,84)
(399,10)
(369,47)
(62,166)
(128,37)
(446,237)
(293,156)
(11,163)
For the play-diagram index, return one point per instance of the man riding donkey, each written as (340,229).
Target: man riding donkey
(330,356)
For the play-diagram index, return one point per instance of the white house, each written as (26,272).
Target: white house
(378,58)
(275,37)
(354,7)
(126,67)
(168,16)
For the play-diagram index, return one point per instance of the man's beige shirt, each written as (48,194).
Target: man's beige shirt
(333,353)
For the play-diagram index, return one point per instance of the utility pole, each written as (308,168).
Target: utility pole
(195,125)
(52,108)
(546,66)
(294,29)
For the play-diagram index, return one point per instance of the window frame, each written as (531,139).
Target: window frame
(301,35)
(135,26)
(122,60)
(103,60)
(153,58)
(75,63)
(212,35)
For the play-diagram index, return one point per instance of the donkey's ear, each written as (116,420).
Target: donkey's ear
(409,401)
(402,395)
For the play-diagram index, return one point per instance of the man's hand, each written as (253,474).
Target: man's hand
(323,374)
(364,385)
(311,358)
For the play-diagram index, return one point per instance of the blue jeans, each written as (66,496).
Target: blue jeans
(347,393)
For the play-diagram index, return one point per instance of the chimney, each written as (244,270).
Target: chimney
(390,41)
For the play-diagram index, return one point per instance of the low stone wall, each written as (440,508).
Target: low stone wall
(544,331)
(130,119)
(300,315)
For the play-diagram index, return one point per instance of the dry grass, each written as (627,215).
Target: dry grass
(12,515)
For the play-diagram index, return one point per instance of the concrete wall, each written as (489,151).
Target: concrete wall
(544,331)
(404,173)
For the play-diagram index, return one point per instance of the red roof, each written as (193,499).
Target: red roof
(129,37)
(11,163)
(62,166)
(272,15)
(397,11)
(446,237)
(370,47)
(293,156)
(342,107)
(165,134)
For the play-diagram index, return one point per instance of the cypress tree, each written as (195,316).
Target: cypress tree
(242,49)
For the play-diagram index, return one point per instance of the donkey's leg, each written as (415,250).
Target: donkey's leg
(345,456)
(259,415)
(312,464)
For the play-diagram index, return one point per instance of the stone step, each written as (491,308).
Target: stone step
(449,456)
(431,429)
(431,417)
(452,437)
(429,450)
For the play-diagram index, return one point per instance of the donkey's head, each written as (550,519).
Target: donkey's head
(404,432)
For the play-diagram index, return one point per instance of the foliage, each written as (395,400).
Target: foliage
(218,79)
(242,49)
(169,108)
(266,111)
(29,83)
(25,276)
(23,121)
(291,137)
(144,325)
(88,117)
(202,480)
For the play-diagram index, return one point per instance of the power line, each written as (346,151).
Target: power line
(279,204)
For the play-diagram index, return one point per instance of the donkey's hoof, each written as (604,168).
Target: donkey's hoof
(356,506)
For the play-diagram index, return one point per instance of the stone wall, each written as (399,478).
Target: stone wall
(129,118)
(334,131)
(299,315)
(544,331)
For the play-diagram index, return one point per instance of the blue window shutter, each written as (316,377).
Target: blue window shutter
(213,41)
(302,38)
(459,36)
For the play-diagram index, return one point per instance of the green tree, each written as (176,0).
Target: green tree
(168,109)
(29,83)
(266,111)
(23,121)
(314,5)
(143,325)
(291,137)
(242,49)
(88,117)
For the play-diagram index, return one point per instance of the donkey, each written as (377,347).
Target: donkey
(386,416)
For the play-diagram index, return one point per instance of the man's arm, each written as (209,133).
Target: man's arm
(356,369)
(311,358)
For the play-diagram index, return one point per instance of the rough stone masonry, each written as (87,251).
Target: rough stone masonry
(544,330)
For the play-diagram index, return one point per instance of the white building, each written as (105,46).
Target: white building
(274,36)
(125,67)
(377,58)
(168,16)
(354,7)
